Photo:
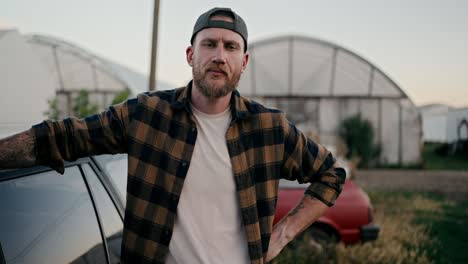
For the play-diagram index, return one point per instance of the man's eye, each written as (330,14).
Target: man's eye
(232,47)
(209,45)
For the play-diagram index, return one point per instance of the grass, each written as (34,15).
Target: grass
(434,161)
(449,226)
(415,228)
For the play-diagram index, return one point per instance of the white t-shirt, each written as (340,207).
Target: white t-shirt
(208,227)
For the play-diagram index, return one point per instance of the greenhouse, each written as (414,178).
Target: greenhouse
(319,84)
(35,69)
(75,69)
(24,83)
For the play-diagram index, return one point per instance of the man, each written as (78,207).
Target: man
(203,162)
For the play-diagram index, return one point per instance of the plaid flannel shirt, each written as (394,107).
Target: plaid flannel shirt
(158,132)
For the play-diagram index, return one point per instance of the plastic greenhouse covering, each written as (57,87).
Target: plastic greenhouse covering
(74,68)
(318,84)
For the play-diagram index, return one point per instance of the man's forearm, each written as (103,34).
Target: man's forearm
(300,218)
(17,151)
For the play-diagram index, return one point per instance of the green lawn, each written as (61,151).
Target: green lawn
(449,227)
(415,228)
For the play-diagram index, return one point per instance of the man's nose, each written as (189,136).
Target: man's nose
(220,55)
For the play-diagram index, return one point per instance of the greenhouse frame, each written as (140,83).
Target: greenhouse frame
(318,84)
(75,69)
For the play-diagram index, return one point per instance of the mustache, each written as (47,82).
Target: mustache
(216,68)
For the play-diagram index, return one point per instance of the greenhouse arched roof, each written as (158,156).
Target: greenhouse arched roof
(299,66)
(75,68)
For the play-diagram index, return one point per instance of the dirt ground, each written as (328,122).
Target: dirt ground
(450,183)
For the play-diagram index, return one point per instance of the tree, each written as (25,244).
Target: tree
(358,135)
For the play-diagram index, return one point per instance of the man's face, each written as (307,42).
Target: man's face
(217,59)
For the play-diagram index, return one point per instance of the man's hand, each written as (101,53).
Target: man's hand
(17,151)
(299,219)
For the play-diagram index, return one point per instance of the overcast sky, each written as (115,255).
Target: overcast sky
(420,44)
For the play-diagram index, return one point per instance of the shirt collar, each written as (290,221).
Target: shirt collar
(182,98)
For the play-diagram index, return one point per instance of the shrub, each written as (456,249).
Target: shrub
(443,150)
(462,148)
(120,97)
(82,106)
(54,111)
(358,135)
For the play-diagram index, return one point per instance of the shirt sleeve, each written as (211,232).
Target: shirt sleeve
(306,161)
(73,138)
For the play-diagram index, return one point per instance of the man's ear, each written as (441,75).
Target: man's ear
(189,55)
(245,61)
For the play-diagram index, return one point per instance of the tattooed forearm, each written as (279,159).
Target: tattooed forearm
(297,208)
(302,216)
(17,151)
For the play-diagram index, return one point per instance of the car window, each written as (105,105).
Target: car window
(49,218)
(110,218)
(115,166)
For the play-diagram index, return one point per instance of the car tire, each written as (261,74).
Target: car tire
(316,237)
(322,235)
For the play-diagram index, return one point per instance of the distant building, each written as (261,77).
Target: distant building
(444,124)
(318,84)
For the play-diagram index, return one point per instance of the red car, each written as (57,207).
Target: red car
(350,220)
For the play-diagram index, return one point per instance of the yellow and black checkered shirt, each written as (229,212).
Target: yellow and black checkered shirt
(158,132)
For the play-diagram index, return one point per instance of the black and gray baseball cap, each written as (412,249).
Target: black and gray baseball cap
(238,25)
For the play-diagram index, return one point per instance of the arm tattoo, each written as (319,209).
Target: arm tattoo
(297,208)
(18,151)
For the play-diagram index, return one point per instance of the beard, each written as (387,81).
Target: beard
(212,89)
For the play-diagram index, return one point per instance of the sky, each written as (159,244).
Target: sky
(420,44)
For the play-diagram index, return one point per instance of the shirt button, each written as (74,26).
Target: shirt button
(194,129)
(184,164)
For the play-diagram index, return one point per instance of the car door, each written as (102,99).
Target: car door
(78,216)
(106,202)
(46,217)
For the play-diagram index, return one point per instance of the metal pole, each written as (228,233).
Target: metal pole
(290,73)
(400,136)
(154,48)
(333,70)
